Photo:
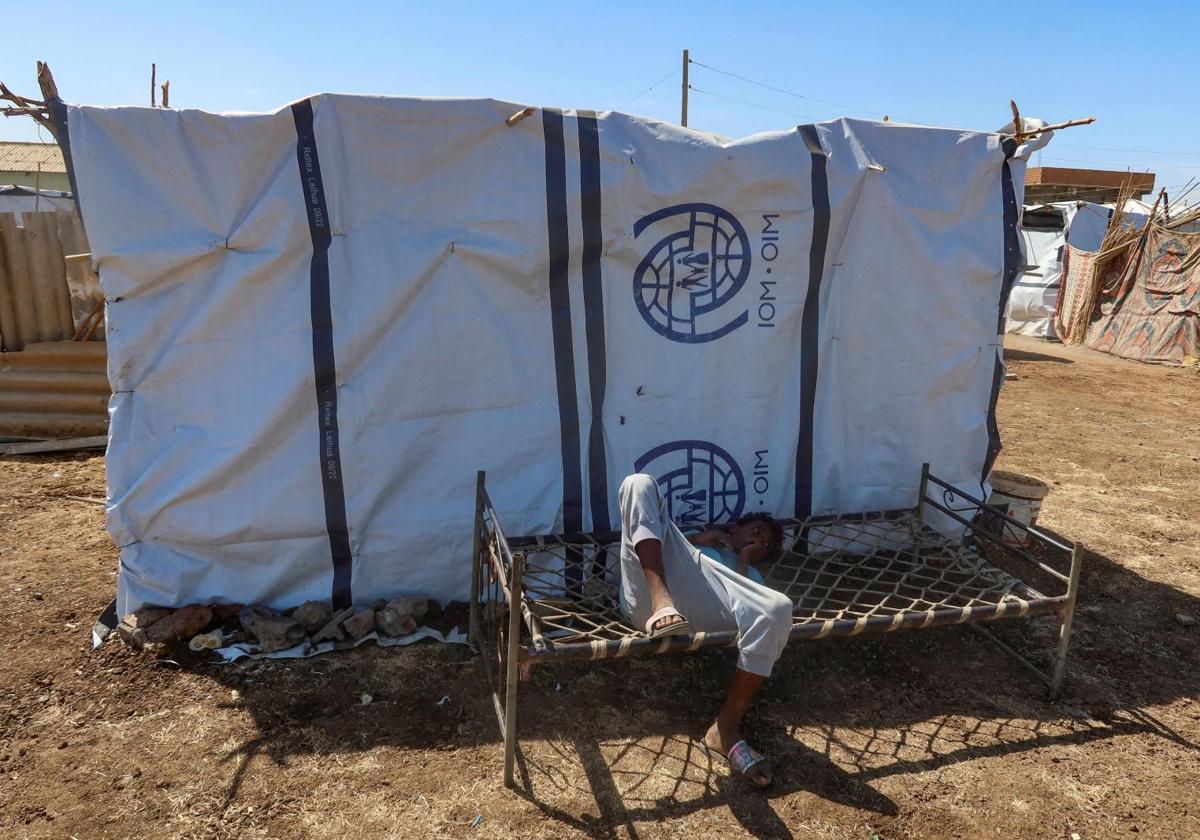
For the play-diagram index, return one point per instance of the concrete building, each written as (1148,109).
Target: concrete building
(1046,184)
(33,165)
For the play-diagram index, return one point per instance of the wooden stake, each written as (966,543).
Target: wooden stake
(153,89)
(523,114)
(166,92)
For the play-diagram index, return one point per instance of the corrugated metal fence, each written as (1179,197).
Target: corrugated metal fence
(54,389)
(47,289)
(50,384)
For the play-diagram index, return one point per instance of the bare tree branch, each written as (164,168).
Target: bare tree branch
(27,106)
(46,81)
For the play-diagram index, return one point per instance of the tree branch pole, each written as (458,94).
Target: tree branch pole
(27,106)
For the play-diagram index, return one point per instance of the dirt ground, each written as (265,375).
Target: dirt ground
(931,734)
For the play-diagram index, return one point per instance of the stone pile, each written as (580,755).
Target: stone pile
(209,627)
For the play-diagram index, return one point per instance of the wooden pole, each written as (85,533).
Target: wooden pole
(166,92)
(684,99)
(153,88)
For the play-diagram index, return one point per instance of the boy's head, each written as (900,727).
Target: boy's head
(759,532)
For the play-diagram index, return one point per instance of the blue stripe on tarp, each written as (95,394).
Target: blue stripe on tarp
(560,318)
(810,320)
(1012,269)
(593,314)
(324,364)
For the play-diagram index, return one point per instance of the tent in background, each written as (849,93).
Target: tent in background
(1045,229)
(17,199)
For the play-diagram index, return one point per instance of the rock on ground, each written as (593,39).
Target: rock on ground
(275,632)
(390,622)
(360,624)
(313,615)
(181,624)
(333,630)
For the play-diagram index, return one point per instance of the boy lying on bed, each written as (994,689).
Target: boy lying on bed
(674,586)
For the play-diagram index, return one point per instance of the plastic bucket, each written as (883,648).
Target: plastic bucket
(1020,496)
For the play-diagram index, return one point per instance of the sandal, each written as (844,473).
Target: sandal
(657,628)
(742,759)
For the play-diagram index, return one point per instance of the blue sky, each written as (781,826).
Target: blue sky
(954,64)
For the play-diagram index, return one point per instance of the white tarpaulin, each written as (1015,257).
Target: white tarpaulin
(324,320)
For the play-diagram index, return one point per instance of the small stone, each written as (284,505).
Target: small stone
(224,612)
(144,617)
(389,622)
(135,637)
(276,632)
(366,699)
(360,624)
(181,624)
(313,615)
(332,631)
(1184,620)
(406,605)
(249,615)
(207,641)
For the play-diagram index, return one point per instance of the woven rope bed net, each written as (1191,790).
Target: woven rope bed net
(949,560)
(855,574)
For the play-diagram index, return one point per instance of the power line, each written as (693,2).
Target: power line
(647,90)
(1191,167)
(752,104)
(1119,149)
(782,90)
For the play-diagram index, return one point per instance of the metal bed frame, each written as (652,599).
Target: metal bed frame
(554,598)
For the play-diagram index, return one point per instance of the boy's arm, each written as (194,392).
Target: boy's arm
(713,537)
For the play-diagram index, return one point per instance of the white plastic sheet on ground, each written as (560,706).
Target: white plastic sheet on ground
(322,321)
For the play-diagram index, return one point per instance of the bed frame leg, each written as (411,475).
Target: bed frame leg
(512,666)
(921,493)
(475,625)
(1068,615)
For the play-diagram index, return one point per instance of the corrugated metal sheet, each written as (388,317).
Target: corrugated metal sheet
(54,389)
(25,157)
(43,295)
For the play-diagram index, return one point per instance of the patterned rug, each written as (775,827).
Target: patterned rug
(1077,297)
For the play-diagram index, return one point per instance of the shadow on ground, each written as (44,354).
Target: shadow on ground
(838,716)
(1011,354)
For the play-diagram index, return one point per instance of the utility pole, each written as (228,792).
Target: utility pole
(683,101)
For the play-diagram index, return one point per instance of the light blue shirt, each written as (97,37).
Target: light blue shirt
(728,559)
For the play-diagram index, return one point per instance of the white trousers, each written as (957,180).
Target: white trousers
(711,596)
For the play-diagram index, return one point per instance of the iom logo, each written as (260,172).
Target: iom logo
(698,262)
(700,481)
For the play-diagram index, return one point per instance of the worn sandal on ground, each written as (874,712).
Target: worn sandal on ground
(658,628)
(742,759)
